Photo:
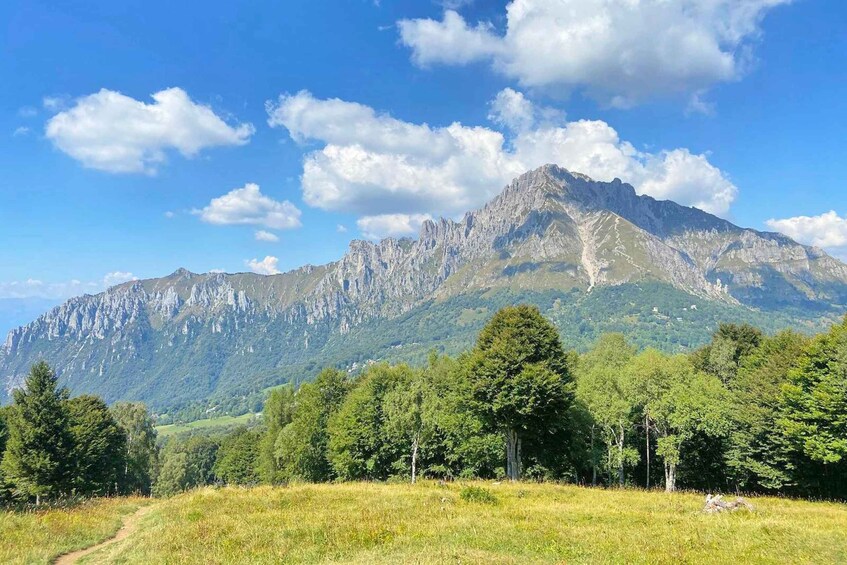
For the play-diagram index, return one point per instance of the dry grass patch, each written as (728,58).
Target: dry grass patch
(39,537)
(427,523)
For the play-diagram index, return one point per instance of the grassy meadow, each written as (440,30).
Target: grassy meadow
(502,523)
(38,537)
(208,424)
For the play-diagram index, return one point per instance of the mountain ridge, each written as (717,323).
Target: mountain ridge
(549,231)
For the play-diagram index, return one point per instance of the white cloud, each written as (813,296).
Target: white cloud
(512,110)
(112,132)
(620,51)
(20,131)
(267,266)
(27,112)
(170,215)
(262,235)
(248,206)
(61,290)
(118,277)
(372,164)
(391,225)
(340,228)
(828,230)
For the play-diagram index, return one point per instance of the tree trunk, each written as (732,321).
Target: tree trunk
(670,477)
(593,460)
(414,459)
(620,457)
(38,500)
(513,455)
(647,429)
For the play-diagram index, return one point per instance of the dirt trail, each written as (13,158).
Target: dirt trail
(129,526)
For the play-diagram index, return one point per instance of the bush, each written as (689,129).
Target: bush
(477,494)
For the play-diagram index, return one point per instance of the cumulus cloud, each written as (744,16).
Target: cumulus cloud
(373,164)
(391,225)
(248,206)
(341,228)
(267,266)
(620,51)
(112,132)
(35,288)
(828,230)
(514,111)
(118,277)
(262,235)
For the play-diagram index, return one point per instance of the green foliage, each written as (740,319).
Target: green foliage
(759,455)
(815,411)
(477,494)
(302,447)
(141,453)
(520,378)
(358,446)
(677,401)
(604,387)
(99,447)
(237,458)
(186,465)
(38,451)
(278,412)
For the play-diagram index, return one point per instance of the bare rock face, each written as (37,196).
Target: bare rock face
(549,230)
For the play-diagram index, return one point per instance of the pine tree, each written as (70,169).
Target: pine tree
(38,451)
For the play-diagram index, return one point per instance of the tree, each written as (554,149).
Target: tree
(6,488)
(358,448)
(731,343)
(759,456)
(99,446)
(301,447)
(521,379)
(408,417)
(815,411)
(458,441)
(38,450)
(237,458)
(677,401)
(602,385)
(278,412)
(141,459)
(186,465)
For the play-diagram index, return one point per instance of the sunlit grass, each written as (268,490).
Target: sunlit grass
(428,523)
(205,424)
(38,537)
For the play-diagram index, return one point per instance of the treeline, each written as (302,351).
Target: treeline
(747,412)
(54,447)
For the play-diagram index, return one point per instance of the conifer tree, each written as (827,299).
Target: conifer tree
(38,451)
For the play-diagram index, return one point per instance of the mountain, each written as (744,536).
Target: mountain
(594,256)
(17,311)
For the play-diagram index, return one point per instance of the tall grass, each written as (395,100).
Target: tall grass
(39,536)
(428,523)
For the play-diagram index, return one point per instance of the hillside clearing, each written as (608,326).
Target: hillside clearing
(207,424)
(428,523)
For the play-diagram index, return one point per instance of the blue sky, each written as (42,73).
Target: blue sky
(282,130)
